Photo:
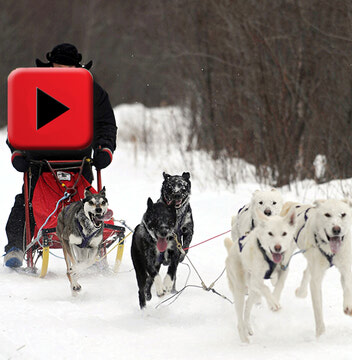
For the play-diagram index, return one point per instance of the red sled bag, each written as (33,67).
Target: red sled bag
(49,190)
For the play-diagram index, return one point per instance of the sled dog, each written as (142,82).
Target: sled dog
(153,245)
(301,211)
(176,190)
(326,239)
(268,202)
(253,259)
(80,228)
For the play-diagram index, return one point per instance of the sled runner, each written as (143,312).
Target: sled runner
(60,184)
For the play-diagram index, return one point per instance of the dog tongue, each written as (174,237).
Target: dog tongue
(335,244)
(161,244)
(277,258)
(107,216)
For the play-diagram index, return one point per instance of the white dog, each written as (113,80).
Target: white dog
(326,239)
(268,202)
(255,258)
(301,211)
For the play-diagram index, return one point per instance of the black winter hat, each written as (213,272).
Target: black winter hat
(64,54)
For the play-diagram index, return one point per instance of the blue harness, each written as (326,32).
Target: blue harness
(271,264)
(305,220)
(86,239)
(328,257)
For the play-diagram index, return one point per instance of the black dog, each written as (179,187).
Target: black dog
(176,190)
(153,244)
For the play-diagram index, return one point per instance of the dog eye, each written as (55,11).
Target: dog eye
(284,233)
(274,202)
(103,202)
(270,233)
(327,215)
(91,202)
(260,202)
(343,215)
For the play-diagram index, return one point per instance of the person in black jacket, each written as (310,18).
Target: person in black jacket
(103,147)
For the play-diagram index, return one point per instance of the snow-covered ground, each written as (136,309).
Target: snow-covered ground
(41,320)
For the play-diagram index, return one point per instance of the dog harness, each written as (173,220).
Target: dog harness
(240,210)
(161,257)
(305,220)
(240,245)
(86,239)
(184,213)
(271,264)
(328,257)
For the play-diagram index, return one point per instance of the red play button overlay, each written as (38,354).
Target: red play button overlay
(50,108)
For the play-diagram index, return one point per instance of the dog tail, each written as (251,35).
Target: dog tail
(228,244)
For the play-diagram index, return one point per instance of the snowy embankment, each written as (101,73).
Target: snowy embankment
(41,320)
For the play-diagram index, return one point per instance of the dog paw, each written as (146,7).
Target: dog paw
(242,332)
(348,310)
(249,330)
(319,330)
(244,338)
(168,284)
(160,292)
(75,289)
(275,306)
(301,293)
(148,295)
(159,287)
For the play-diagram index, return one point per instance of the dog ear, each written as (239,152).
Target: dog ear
(102,192)
(290,217)
(348,202)
(319,202)
(166,176)
(186,175)
(286,207)
(150,203)
(87,191)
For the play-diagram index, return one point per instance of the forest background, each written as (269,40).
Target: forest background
(264,81)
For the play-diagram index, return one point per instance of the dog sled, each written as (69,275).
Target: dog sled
(60,183)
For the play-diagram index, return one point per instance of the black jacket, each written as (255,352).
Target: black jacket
(105,131)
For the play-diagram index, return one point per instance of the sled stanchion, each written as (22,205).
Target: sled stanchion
(45,261)
(119,254)
(99,179)
(27,217)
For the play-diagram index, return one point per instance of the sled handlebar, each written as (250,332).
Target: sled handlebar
(75,163)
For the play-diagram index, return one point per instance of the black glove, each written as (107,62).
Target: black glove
(19,161)
(102,158)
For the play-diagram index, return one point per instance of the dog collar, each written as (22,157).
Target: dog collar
(328,257)
(271,264)
(149,232)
